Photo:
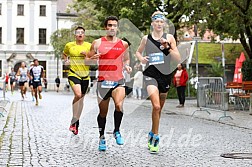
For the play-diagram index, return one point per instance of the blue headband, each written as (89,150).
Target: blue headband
(158,16)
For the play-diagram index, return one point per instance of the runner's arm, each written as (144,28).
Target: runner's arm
(126,61)
(29,74)
(92,56)
(43,74)
(174,50)
(139,52)
(18,73)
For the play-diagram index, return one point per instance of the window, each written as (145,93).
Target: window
(0,35)
(42,10)
(0,9)
(20,35)
(20,10)
(42,36)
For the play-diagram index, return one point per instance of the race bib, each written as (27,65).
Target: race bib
(36,79)
(156,58)
(109,84)
(23,76)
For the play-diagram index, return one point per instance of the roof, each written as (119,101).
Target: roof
(62,6)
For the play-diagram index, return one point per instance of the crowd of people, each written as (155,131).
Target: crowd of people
(152,74)
(111,55)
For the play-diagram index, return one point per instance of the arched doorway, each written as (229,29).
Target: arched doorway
(17,66)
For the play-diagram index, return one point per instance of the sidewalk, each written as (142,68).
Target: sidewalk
(240,118)
(5,105)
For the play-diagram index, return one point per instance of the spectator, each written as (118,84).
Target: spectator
(57,81)
(138,83)
(180,78)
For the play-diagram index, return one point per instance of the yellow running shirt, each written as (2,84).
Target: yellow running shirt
(77,65)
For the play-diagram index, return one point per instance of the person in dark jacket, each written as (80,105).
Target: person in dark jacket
(57,81)
(179,80)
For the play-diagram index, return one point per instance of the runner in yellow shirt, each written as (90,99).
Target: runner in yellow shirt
(78,76)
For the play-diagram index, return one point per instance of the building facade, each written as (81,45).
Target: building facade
(25,30)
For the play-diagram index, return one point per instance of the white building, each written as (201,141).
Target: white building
(25,30)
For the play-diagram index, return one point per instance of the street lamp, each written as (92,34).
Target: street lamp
(223,61)
(196,45)
(57,56)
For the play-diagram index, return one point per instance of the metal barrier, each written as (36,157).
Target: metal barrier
(5,99)
(211,95)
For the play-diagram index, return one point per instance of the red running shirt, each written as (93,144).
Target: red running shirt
(111,60)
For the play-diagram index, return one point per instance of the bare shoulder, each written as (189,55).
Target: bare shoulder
(96,41)
(169,36)
(145,38)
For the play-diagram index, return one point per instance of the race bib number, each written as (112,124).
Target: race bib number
(36,79)
(156,58)
(23,76)
(109,84)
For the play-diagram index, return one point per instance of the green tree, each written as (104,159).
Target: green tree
(59,39)
(231,18)
(247,70)
(87,14)
(137,11)
(216,70)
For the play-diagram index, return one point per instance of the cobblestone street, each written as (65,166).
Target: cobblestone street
(39,136)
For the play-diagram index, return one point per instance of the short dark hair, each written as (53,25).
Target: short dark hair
(79,27)
(35,60)
(110,18)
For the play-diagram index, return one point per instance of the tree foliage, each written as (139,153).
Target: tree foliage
(247,70)
(58,40)
(227,18)
(216,70)
(232,18)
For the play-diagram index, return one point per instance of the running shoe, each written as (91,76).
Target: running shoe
(33,99)
(40,96)
(74,128)
(36,103)
(102,144)
(154,148)
(150,139)
(118,137)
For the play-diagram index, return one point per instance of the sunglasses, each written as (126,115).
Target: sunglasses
(110,25)
(79,32)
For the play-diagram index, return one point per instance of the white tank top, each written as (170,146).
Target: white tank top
(23,74)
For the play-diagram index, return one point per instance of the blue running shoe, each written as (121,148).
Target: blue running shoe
(150,139)
(102,144)
(118,137)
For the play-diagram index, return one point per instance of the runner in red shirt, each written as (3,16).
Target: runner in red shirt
(113,57)
(6,81)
